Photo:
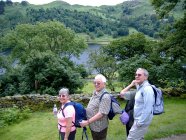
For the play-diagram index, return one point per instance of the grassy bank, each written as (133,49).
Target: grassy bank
(42,125)
(89,87)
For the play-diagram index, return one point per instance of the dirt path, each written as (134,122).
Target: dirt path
(175,137)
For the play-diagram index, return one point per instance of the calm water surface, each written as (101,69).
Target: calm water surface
(83,59)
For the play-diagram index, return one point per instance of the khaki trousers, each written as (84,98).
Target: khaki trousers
(136,132)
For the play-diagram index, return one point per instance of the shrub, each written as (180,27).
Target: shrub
(174,92)
(13,115)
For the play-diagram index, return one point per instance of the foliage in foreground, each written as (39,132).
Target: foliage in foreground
(13,115)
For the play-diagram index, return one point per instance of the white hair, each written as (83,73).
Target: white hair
(64,91)
(146,73)
(100,76)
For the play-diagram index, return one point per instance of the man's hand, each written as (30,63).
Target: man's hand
(84,123)
(133,83)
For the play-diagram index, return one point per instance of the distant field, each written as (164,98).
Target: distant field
(42,125)
(89,87)
(104,40)
(132,31)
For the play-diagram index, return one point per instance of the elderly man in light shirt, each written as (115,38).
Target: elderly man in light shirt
(143,107)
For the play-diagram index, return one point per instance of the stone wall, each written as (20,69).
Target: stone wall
(37,101)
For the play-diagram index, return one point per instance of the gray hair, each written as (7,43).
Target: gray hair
(64,91)
(146,73)
(100,76)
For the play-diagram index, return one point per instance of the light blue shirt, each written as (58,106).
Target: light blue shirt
(144,101)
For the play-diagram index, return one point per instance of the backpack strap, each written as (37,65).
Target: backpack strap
(65,105)
(61,126)
(84,132)
(62,111)
(154,90)
(103,95)
(63,115)
(110,99)
(155,93)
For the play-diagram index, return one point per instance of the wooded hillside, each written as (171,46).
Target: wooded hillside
(114,21)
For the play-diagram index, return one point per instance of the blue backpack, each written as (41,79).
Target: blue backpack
(114,107)
(80,114)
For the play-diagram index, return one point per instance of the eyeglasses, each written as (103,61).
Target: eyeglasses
(62,96)
(138,75)
(97,83)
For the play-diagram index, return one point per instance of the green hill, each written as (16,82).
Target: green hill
(114,21)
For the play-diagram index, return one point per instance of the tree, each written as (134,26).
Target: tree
(133,52)
(100,33)
(127,47)
(44,50)
(45,70)
(174,44)
(9,2)
(43,73)
(24,3)
(173,47)
(164,7)
(123,31)
(105,65)
(130,65)
(51,36)
(9,82)
(2,7)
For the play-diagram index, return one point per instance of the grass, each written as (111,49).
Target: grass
(43,125)
(173,121)
(89,87)
(104,40)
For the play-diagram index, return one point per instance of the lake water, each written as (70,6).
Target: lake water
(83,58)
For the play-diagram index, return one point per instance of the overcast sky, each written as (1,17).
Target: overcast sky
(80,2)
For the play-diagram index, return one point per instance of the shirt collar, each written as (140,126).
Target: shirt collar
(100,92)
(144,83)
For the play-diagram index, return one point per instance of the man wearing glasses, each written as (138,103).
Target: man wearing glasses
(97,110)
(143,106)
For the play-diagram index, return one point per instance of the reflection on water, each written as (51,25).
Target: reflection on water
(83,59)
(5,52)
